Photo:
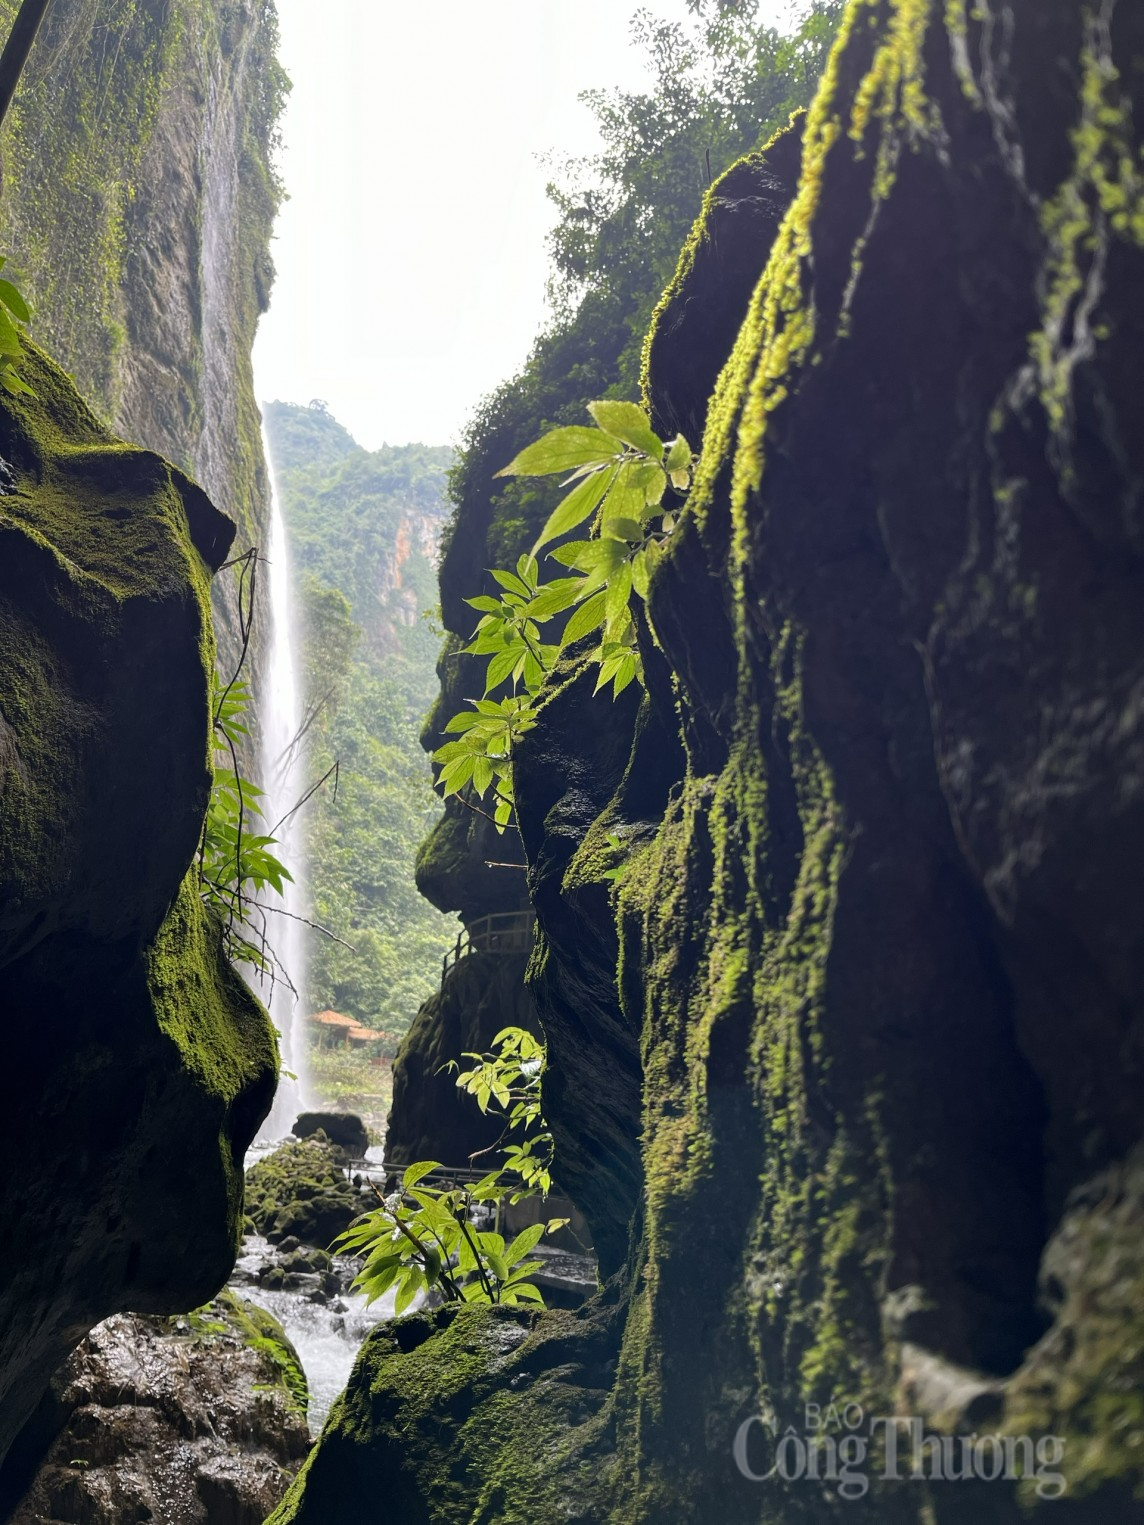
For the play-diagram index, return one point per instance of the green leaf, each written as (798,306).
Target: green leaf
(487,1189)
(628,422)
(617,593)
(416,1172)
(626,673)
(623,529)
(525,1292)
(562,450)
(597,559)
(640,573)
(457,774)
(482,775)
(525,1269)
(376,1286)
(462,722)
(413,1283)
(524,1242)
(580,504)
(500,667)
(14,302)
(626,497)
(511,582)
(587,618)
(651,481)
(678,456)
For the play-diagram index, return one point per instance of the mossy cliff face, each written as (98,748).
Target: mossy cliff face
(138,1065)
(877,932)
(137,211)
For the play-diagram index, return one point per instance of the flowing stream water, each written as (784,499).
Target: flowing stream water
(327,1332)
(283,778)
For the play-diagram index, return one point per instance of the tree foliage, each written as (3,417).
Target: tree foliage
(722,86)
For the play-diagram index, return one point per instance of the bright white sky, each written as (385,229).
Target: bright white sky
(411,254)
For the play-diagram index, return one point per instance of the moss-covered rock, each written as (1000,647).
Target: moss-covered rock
(261,1332)
(422,1426)
(301,1191)
(344,1129)
(877,928)
(139,1064)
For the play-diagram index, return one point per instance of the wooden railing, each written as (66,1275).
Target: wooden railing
(503,932)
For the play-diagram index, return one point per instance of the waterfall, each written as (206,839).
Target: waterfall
(283,777)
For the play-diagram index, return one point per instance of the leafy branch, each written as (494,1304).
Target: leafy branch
(619,474)
(507,1081)
(421,1237)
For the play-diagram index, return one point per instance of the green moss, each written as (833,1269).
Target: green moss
(111,94)
(87,114)
(229,1315)
(723,956)
(301,1186)
(262,1332)
(1085,1381)
(106,526)
(1099,202)
(203,1005)
(447,1415)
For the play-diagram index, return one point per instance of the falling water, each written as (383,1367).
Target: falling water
(284,780)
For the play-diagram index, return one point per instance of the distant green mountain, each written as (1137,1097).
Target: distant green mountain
(364,528)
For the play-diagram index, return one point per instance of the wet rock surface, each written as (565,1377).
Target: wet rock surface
(187,1421)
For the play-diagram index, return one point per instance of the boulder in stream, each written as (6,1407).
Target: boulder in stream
(345,1129)
(198,1420)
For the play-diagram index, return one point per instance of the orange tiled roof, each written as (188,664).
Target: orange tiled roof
(335,1019)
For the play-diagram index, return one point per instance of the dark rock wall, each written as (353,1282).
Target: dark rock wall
(138,1064)
(877,931)
(429,1118)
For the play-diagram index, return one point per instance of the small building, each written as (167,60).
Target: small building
(333,1028)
